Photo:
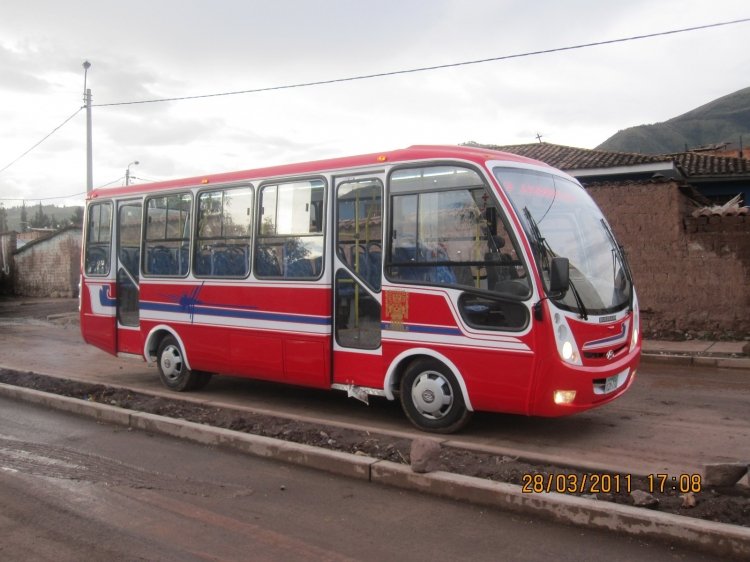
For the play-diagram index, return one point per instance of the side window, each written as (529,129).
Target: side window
(98,239)
(167,235)
(289,244)
(359,242)
(225,226)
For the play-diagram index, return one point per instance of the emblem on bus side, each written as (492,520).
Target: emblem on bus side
(397,308)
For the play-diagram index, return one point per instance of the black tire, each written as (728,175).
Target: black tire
(431,397)
(173,370)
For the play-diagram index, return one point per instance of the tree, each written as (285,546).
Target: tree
(3,219)
(77,217)
(24,218)
(40,220)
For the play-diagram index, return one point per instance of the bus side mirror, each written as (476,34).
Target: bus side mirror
(559,276)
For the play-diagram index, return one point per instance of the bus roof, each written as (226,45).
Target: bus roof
(413,153)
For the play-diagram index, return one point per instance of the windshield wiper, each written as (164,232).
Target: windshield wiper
(579,301)
(538,240)
(620,251)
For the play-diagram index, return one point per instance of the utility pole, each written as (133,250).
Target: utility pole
(127,171)
(87,103)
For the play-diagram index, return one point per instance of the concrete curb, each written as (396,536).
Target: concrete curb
(702,360)
(717,538)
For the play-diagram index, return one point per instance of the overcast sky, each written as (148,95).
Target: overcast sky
(170,48)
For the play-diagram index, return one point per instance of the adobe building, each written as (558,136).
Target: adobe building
(49,266)
(690,258)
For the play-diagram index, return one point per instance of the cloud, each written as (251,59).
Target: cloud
(19,69)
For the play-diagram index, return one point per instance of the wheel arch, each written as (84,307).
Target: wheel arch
(155,335)
(402,361)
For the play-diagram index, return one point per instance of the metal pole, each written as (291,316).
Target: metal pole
(89,156)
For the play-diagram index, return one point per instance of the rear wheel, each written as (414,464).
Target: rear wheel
(173,369)
(431,397)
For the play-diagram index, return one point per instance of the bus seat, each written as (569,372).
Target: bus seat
(442,274)
(299,268)
(203,262)
(403,255)
(161,261)
(267,262)
(318,265)
(374,266)
(184,260)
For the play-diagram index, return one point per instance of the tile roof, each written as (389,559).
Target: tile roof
(696,164)
(571,158)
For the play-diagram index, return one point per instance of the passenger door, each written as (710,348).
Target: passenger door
(129,215)
(98,279)
(358,272)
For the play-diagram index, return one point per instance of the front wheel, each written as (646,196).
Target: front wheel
(173,369)
(431,397)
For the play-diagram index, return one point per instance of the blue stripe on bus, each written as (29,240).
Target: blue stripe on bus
(234,313)
(438,330)
(104,298)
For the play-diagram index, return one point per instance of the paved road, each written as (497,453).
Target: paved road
(72,489)
(674,418)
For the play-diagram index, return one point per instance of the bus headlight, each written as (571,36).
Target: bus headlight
(636,323)
(566,345)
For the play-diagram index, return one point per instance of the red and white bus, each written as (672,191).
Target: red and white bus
(455,279)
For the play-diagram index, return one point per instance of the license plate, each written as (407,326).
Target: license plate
(610,384)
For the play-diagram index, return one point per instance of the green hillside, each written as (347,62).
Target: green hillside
(719,121)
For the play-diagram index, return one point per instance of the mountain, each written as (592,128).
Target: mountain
(720,121)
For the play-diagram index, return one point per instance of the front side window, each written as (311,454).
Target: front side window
(167,235)
(456,236)
(98,239)
(225,226)
(447,229)
(290,232)
(562,220)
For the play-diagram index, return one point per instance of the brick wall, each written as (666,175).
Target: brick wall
(49,267)
(690,273)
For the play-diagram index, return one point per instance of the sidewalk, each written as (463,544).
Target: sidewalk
(726,354)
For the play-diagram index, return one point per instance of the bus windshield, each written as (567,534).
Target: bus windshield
(561,219)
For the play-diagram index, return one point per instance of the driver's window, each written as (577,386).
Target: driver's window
(98,239)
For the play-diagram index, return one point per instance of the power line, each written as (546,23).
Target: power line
(41,141)
(42,198)
(427,68)
(384,74)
